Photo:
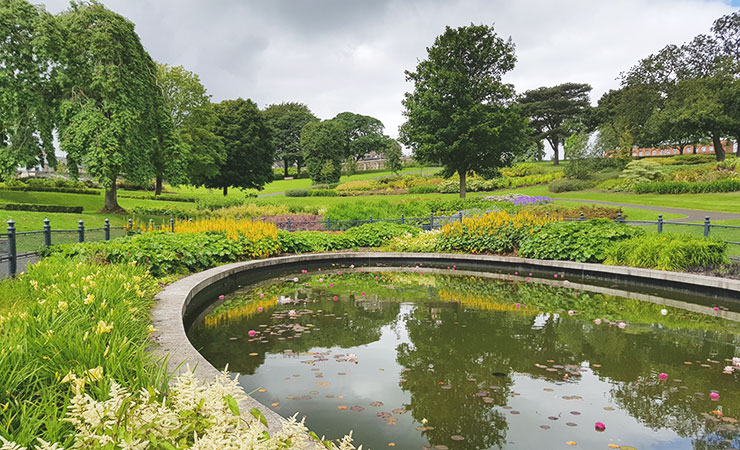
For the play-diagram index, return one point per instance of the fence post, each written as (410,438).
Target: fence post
(190,220)
(619,217)
(328,224)
(172,224)
(431,221)
(582,217)
(81,231)
(402,220)
(707,225)
(106,229)
(288,223)
(13,261)
(660,223)
(461,216)
(47,233)
(130,224)
(547,214)
(371,219)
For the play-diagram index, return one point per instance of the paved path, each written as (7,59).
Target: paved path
(692,215)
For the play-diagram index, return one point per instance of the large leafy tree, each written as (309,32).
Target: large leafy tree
(247,141)
(190,108)
(112,116)
(361,135)
(393,154)
(287,120)
(28,94)
(460,114)
(556,112)
(322,145)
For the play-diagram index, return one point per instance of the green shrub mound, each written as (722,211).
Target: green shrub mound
(312,241)
(687,187)
(668,252)
(574,212)
(161,197)
(42,208)
(568,185)
(378,233)
(429,189)
(576,241)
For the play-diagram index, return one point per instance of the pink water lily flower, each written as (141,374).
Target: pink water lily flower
(336,298)
(714,396)
(262,295)
(663,376)
(252,333)
(221,297)
(597,321)
(599,426)
(260,309)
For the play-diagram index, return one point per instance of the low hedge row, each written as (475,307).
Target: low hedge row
(42,208)
(161,197)
(50,189)
(570,184)
(687,187)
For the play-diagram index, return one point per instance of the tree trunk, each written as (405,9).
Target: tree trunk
(285,166)
(226,190)
(719,151)
(111,199)
(158,185)
(462,182)
(555,146)
(298,165)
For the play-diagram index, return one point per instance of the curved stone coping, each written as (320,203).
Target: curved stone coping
(172,302)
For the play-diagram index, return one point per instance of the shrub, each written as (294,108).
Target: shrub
(576,241)
(428,189)
(706,173)
(567,185)
(496,232)
(19,186)
(358,185)
(217,202)
(161,197)
(297,193)
(312,241)
(522,170)
(612,185)
(250,210)
(323,193)
(574,212)
(170,211)
(691,159)
(378,233)
(681,187)
(642,171)
(668,252)
(42,208)
(424,242)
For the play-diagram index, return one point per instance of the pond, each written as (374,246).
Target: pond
(436,358)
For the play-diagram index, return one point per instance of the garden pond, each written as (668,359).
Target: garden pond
(421,358)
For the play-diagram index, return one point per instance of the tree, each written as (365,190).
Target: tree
(287,120)
(194,119)
(553,110)
(322,145)
(361,135)
(112,116)
(460,114)
(28,94)
(393,154)
(247,141)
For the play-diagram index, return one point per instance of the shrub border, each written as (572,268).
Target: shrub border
(176,301)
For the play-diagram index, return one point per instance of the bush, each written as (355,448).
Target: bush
(323,193)
(425,242)
(169,211)
(378,233)
(691,159)
(428,189)
(574,212)
(297,193)
(66,190)
(680,187)
(616,185)
(42,208)
(568,185)
(576,241)
(129,186)
(161,197)
(217,202)
(496,232)
(668,252)
(706,173)
(358,185)
(475,184)
(522,170)
(312,241)
(642,171)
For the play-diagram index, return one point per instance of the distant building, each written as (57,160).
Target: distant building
(691,149)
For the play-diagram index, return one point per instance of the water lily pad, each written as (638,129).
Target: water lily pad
(457,437)
(575,413)
(357,408)
(514,412)
(391,420)
(342,407)
(399,411)
(376,404)
(608,408)
(548,390)
(571,424)
(262,390)
(487,400)
(383,415)
(446,387)
(253,354)
(545,427)
(441,447)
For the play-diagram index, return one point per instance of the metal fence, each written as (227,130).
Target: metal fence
(20,248)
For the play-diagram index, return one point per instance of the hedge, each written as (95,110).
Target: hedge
(42,208)
(687,187)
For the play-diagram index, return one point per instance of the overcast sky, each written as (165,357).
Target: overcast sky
(344,55)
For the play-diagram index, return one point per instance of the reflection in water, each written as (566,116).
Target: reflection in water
(472,363)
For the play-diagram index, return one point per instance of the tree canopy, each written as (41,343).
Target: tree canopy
(247,141)
(193,117)
(556,112)
(28,93)
(322,145)
(361,135)
(287,120)
(460,114)
(112,116)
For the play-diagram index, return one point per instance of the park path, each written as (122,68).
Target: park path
(692,215)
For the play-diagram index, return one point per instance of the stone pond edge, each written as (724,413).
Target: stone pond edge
(172,302)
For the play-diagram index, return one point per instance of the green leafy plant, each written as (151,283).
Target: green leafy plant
(378,233)
(668,252)
(686,187)
(42,208)
(567,185)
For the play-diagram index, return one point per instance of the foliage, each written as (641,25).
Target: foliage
(360,135)
(393,156)
(69,316)
(668,252)
(28,85)
(481,185)
(555,112)
(690,159)
(212,203)
(194,119)
(576,241)
(497,232)
(575,211)
(569,184)
(45,188)
(42,208)
(161,197)
(246,137)
(424,242)
(322,144)
(687,187)
(460,114)
(709,172)
(312,241)
(112,115)
(363,210)
(287,120)
(378,233)
(428,189)
(523,170)
(642,171)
